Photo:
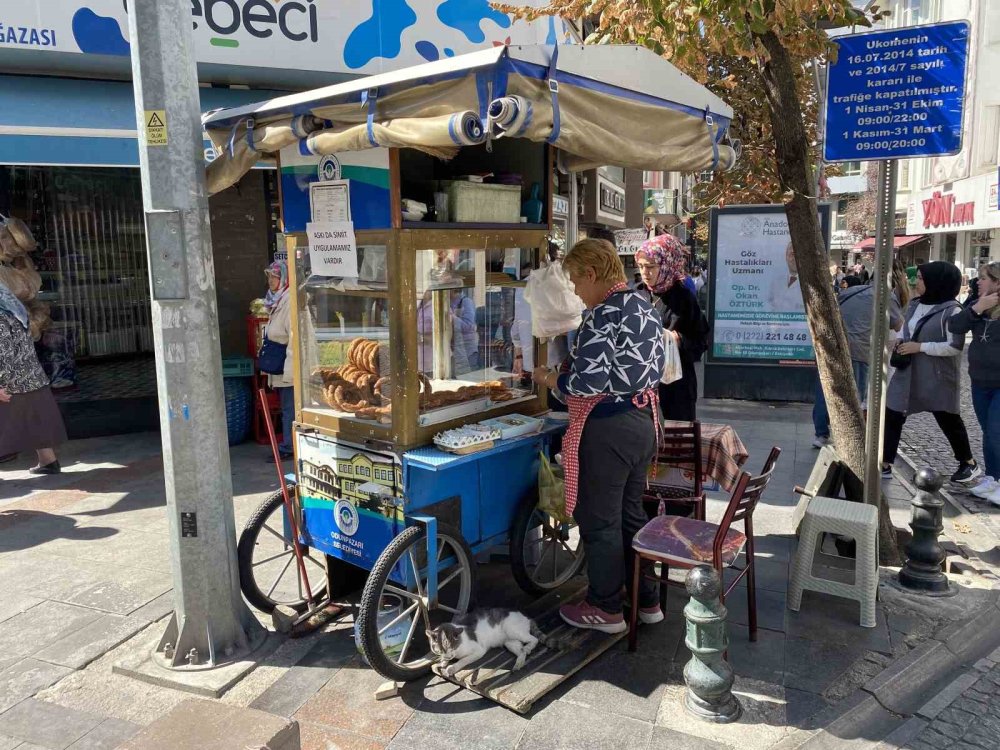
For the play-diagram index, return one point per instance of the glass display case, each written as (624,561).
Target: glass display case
(433,333)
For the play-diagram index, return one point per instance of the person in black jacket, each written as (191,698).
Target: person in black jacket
(661,262)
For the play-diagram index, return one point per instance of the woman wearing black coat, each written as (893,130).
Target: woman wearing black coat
(661,262)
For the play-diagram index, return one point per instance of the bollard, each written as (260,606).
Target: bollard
(924,555)
(708,676)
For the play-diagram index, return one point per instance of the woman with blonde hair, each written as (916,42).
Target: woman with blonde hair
(983,319)
(609,382)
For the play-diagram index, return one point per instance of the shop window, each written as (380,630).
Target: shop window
(841,219)
(949,247)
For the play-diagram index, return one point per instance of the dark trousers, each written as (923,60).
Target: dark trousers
(615,453)
(287,398)
(951,425)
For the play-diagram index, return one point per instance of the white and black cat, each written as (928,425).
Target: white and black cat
(468,637)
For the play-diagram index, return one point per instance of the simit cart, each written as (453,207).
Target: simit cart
(427,333)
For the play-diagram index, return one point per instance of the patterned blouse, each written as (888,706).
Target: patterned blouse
(20,371)
(618,351)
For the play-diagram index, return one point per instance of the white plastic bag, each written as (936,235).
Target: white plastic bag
(555,308)
(672,359)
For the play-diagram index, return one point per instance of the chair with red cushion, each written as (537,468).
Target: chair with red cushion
(688,542)
(680,448)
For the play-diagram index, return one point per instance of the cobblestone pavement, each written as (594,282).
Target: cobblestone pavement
(971,722)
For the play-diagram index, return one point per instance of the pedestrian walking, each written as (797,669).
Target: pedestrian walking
(29,417)
(983,320)
(927,369)
(856,309)
(661,262)
(609,385)
(279,330)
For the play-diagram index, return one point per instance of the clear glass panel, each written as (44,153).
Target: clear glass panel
(344,339)
(474,344)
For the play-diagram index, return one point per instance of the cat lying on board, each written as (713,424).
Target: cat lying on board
(468,637)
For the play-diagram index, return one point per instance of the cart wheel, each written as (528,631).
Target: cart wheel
(392,620)
(544,553)
(269,574)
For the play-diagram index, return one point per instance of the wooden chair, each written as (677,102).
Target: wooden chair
(688,542)
(681,447)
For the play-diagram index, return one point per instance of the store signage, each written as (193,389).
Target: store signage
(943,211)
(560,206)
(898,93)
(611,197)
(628,241)
(333,249)
(321,35)
(758,315)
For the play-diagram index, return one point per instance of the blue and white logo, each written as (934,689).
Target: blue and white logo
(329,168)
(346,517)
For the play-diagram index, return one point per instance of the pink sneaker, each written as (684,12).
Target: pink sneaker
(589,617)
(650,615)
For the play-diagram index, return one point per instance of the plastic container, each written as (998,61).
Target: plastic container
(487,204)
(237,367)
(514,425)
(239,408)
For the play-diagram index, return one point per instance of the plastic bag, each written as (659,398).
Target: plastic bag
(551,491)
(672,359)
(555,308)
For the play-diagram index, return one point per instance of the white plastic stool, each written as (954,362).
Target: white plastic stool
(855,520)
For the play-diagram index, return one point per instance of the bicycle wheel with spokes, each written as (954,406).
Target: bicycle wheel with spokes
(269,573)
(544,553)
(395,610)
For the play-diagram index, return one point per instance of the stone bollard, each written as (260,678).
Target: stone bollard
(708,676)
(924,555)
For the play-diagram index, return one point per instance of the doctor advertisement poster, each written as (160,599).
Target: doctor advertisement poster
(758,316)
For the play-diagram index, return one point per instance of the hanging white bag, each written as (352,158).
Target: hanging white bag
(555,308)
(672,359)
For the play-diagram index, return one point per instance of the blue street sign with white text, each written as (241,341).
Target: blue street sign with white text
(897,94)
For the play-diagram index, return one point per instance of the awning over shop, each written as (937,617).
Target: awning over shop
(900,240)
(600,105)
(68,122)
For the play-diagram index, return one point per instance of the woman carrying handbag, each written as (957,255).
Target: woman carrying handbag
(927,363)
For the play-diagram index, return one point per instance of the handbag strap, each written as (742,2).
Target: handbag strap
(923,320)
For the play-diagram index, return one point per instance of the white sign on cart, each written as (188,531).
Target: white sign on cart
(333,249)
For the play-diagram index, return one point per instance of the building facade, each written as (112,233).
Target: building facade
(69,160)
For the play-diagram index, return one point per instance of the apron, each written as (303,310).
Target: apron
(580,408)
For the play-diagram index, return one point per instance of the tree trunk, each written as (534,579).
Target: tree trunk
(822,311)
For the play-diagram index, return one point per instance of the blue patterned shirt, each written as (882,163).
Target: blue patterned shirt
(618,350)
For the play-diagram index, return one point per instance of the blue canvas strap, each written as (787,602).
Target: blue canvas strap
(232,139)
(370,97)
(249,134)
(554,93)
(709,123)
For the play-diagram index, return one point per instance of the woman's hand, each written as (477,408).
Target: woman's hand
(986,303)
(541,375)
(909,347)
(4,396)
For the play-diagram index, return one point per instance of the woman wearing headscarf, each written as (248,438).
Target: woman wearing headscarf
(982,318)
(931,381)
(29,417)
(661,262)
(279,330)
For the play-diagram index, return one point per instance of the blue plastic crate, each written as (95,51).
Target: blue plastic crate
(237,367)
(239,408)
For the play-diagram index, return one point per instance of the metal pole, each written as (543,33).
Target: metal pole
(573,221)
(211,624)
(878,362)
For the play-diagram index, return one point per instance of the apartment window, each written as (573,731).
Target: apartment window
(913,12)
(852,169)
(903,172)
(841,221)
(988,136)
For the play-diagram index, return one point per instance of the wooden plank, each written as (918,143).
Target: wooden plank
(546,668)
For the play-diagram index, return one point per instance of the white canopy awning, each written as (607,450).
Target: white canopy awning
(601,105)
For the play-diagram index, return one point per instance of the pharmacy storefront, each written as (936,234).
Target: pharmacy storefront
(963,221)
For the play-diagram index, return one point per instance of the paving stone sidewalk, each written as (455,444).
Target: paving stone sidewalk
(966,716)
(84,563)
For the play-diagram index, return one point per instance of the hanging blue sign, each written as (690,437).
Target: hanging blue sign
(897,94)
